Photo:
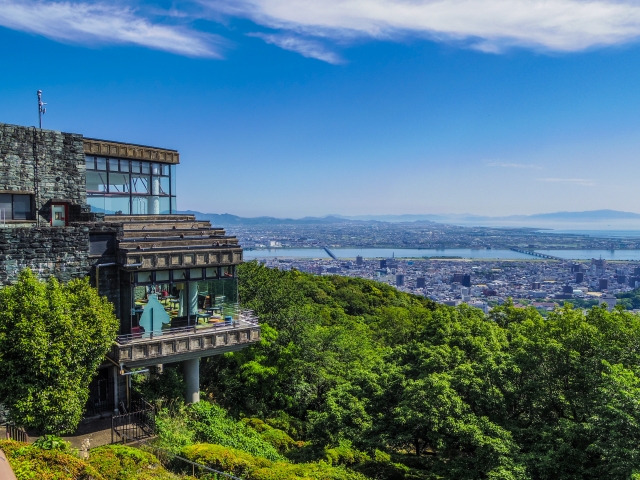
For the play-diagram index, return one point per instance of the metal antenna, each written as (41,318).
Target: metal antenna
(41,109)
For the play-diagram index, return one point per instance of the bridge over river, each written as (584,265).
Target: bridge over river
(537,254)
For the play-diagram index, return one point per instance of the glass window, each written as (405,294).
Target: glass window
(165,205)
(165,170)
(155,169)
(145,167)
(118,205)
(162,276)
(96,202)
(174,206)
(139,205)
(101,163)
(124,165)
(179,275)
(144,277)
(113,164)
(5,206)
(173,180)
(118,182)
(140,184)
(135,166)
(227,271)
(164,186)
(96,181)
(22,207)
(195,273)
(90,162)
(211,272)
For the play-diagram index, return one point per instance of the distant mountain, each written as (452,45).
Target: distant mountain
(588,220)
(225,219)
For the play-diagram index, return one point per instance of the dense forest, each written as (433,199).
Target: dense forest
(354,373)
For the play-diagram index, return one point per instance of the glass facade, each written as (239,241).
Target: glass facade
(130,187)
(189,297)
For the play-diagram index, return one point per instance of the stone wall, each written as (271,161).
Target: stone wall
(59,158)
(62,252)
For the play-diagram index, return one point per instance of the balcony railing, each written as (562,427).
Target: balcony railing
(148,348)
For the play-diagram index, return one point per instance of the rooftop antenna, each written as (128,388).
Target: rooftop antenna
(41,109)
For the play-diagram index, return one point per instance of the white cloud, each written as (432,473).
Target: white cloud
(585,182)
(488,25)
(305,47)
(103,23)
(513,165)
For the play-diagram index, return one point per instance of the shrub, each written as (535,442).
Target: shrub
(32,463)
(119,462)
(52,442)
(276,437)
(345,454)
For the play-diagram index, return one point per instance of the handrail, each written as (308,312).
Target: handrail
(246,316)
(192,463)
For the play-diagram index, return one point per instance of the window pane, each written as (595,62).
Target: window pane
(165,170)
(179,275)
(195,273)
(117,205)
(162,276)
(96,202)
(118,182)
(124,165)
(164,186)
(140,183)
(90,162)
(155,169)
(173,180)
(135,166)
(113,164)
(144,277)
(101,163)
(22,207)
(174,206)
(146,167)
(96,181)
(165,205)
(139,205)
(5,206)
(212,272)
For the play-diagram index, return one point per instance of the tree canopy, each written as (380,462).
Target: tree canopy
(53,337)
(447,392)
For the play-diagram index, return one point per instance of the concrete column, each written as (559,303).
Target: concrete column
(154,201)
(114,378)
(191,372)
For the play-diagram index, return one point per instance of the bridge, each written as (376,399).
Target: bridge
(537,254)
(330,253)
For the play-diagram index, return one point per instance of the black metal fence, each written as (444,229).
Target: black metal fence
(176,463)
(15,433)
(134,426)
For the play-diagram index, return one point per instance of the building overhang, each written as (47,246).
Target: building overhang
(106,148)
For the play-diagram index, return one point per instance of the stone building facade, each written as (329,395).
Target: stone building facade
(73,207)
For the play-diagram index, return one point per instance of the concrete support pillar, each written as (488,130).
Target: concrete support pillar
(114,378)
(191,372)
(154,201)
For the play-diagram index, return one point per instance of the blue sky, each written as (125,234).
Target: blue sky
(294,108)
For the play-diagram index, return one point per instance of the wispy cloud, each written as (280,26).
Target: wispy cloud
(513,165)
(102,23)
(585,182)
(488,25)
(305,47)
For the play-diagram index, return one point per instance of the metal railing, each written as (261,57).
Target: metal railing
(244,316)
(15,433)
(137,425)
(166,457)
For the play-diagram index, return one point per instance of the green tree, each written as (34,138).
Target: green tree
(53,337)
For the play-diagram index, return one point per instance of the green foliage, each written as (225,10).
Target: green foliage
(52,442)
(119,462)
(206,422)
(53,337)
(398,387)
(30,462)
(163,389)
(629,300)
(250,467)
(276,437)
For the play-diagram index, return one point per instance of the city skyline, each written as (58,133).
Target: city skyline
(381,109)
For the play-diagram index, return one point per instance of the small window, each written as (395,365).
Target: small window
(146,167)
(101,163)
(124,165)
(90,162)
(135,166)
(113,164)
(179,275)
(144,277)
(165,170)
(212,272)
(155,169)
(195,274)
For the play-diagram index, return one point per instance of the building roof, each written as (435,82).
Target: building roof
(107,148)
